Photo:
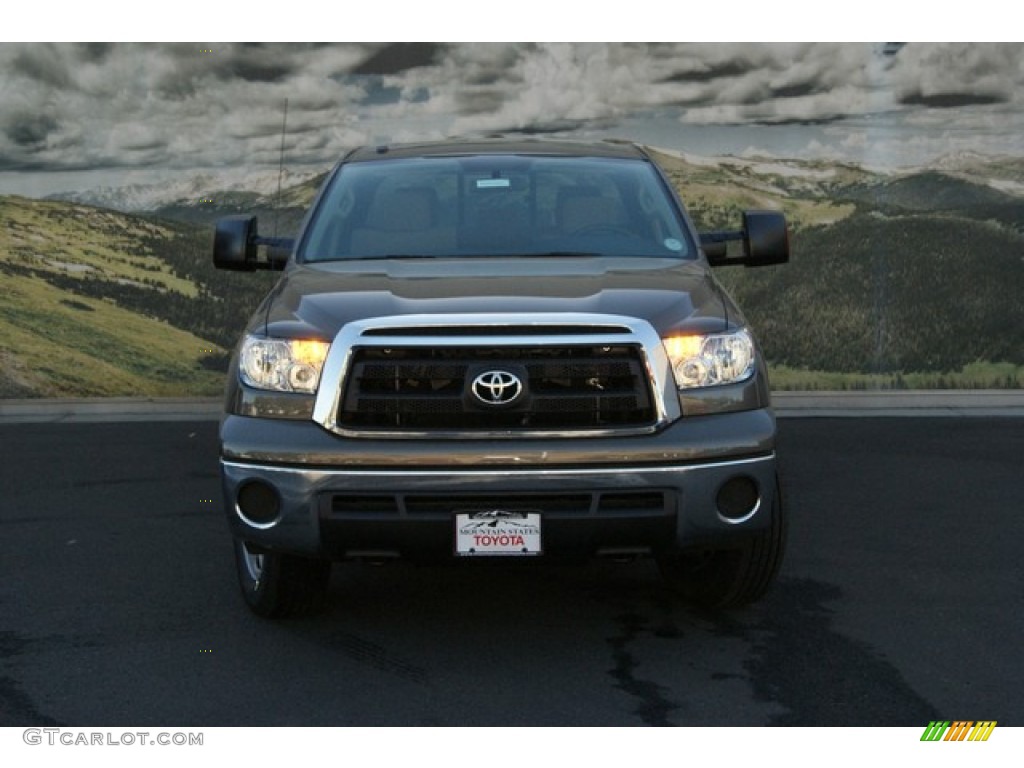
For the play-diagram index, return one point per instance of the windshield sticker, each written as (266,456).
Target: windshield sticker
(492,183)
(672,244)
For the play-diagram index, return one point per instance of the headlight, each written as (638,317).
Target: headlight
(707,360)
(284,365)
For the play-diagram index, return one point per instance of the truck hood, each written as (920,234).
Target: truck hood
(318,299)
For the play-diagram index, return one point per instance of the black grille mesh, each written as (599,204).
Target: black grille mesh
(427,388)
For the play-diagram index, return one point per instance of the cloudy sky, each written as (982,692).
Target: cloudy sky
(73,115)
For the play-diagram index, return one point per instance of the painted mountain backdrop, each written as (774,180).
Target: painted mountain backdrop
(909,279)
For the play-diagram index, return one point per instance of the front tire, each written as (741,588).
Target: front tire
(276,585)
(729,577)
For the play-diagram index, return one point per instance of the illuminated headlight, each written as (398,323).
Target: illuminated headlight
(284,365)
(708,360)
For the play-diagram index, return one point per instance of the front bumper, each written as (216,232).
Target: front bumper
(355,497)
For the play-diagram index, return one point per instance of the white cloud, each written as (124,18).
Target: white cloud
(69,106)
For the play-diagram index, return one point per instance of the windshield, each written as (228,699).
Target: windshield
(496,205)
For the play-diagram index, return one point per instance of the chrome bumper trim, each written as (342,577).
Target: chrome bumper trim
(490,472)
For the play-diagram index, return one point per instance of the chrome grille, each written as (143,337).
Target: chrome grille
(412,377)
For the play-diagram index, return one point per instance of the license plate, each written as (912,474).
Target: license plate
(497,532)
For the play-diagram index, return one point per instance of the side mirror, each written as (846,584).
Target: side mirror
(765,239)
(235,243)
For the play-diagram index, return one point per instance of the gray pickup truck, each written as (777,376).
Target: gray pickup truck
(499,349)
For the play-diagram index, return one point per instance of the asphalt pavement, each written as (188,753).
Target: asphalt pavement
(901,601)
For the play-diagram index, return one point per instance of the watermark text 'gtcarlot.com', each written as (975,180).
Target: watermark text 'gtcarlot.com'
(59,736)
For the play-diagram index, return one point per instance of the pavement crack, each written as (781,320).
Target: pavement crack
(652,707)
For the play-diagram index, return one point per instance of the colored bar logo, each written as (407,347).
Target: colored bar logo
(959,730)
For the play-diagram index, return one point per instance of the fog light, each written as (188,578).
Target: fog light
(258,503)
(738,499)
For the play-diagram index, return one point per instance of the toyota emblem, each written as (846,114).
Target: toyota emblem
(497,387)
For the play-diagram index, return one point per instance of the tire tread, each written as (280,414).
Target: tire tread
(730,578)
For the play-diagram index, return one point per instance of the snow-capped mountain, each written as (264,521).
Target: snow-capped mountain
(193,189)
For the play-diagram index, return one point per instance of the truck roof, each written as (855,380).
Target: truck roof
(469,147)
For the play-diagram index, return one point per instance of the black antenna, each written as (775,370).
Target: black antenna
(280,167)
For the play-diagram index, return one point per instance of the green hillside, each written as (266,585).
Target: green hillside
(716,195)
(895,281)
(100,303)
(56,346)
(875,294)
(929,191)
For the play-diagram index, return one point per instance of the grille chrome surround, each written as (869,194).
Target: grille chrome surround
(446,337)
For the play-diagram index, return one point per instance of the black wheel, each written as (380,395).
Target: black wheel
(276,585)
(729,577)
